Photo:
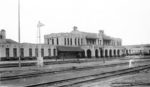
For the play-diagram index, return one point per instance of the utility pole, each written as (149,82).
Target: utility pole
(19,32)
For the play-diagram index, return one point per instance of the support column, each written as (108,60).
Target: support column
(112,52)
(77,41)
(121,52)
(73,42)
(108,54)
(93,53)
(45,51)
(98,53)
(33,51)
(52,53)
(85,53)
(103,52)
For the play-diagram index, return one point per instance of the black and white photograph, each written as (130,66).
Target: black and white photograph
(74,43)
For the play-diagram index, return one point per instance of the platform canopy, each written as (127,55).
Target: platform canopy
(69,49)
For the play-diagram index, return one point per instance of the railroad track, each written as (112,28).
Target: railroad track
(90,78)
(63,71)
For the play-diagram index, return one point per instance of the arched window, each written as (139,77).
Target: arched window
(106,53)
(96,53)
(78,41)
(89,53)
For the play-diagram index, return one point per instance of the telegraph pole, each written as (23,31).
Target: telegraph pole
(19,31)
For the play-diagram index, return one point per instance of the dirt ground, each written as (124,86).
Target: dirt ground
(141,79)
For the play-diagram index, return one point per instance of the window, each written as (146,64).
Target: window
(42,52)
(36,52)
(70,41)
(52,41)
(7,52)
(15,52)
(1,36)
(126,51)
(47,41)
(78,41)
(54,52)
(57,41)
(21,52)
(49,52)
(65,41)
(75,41)
(30,52)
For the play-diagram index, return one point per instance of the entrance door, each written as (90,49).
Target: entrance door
(89,53)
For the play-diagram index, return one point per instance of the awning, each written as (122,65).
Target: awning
(72,49)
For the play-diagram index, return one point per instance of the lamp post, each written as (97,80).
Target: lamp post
(19,31)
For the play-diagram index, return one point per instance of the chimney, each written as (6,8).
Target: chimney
(101,32)
(75,28)
(3,33)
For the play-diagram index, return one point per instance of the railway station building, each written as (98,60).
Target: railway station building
(74,44)
(83,44)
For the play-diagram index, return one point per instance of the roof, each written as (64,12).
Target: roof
(70,49)
(8,41)
(106,37)
(139,45)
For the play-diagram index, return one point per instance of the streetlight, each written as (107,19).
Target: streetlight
(19,31)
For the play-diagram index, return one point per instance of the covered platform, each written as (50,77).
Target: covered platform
(70,52)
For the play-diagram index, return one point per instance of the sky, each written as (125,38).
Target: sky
(125,19)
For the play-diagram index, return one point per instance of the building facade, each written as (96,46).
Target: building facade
(84,44)
(64,45)
(74,44)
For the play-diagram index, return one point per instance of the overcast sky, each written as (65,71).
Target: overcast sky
(125,19)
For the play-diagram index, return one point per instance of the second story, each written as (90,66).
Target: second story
(79,38)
